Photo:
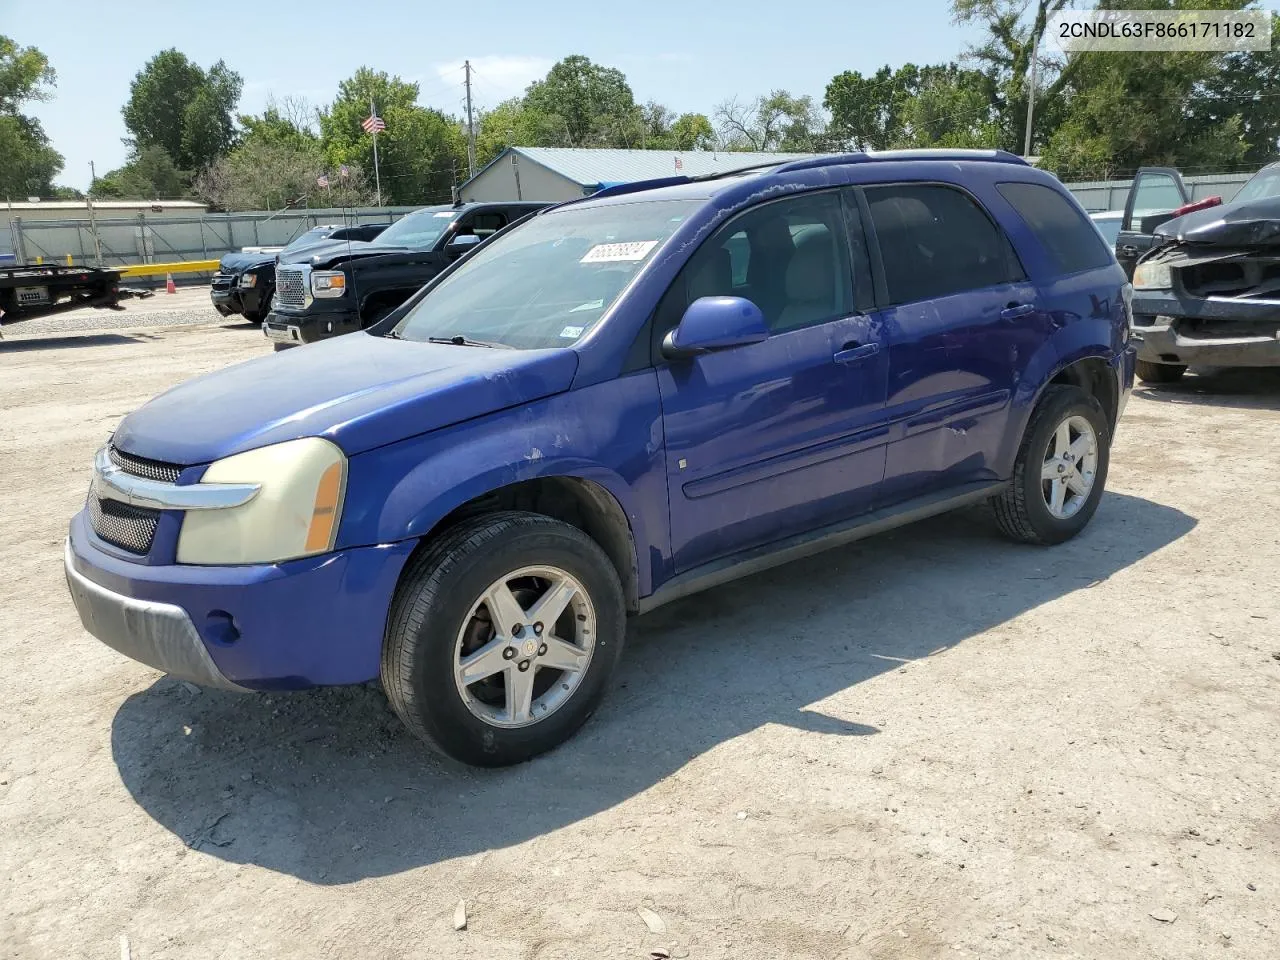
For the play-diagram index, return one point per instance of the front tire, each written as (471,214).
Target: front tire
(502,638)
(1060,471)
(1149,372)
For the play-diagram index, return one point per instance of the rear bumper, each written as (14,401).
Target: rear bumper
(1206,332)
(313,622)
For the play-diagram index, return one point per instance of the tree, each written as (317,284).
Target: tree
(509,124)
(1012,39)
(422,153)
(28,163)
(150,174)
(661,129)
(582,104)
(776,123)
(176,105)
(1245,85)
(288,122)
(265,174)
(941,105)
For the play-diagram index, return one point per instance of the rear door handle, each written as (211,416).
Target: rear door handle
(853,351)
(1017,310)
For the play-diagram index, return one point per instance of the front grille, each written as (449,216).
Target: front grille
(291,286)
(142,467)
(128,527)
(224,281)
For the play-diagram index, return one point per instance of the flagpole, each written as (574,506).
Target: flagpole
(377,178)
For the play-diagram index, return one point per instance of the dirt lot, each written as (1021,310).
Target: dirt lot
(930,744)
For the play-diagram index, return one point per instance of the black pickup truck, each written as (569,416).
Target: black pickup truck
(246,282)
(344,286)
(1206,275)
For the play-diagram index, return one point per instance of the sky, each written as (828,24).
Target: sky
(687,56)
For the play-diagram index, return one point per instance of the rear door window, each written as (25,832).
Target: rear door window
(1072,242)
(935,241)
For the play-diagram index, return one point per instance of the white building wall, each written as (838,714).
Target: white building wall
(535,182)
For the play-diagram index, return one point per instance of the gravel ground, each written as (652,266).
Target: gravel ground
(190,306)
(929,744)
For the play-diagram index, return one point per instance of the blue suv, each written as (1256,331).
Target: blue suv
(617,402)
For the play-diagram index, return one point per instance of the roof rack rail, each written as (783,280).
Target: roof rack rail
(874,156)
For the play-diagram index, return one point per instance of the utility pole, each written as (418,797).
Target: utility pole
(93,221)
(1031,94)
(471,127)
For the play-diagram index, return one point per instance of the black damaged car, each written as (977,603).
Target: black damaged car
(345,286)
(1207,291)
(246,282)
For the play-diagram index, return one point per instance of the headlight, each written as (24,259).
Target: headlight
(328,283)
(1152,276)
(248,279)
(295,514)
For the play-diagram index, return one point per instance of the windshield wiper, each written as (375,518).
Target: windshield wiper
(458,340)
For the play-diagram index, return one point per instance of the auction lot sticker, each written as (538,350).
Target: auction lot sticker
(615,252)
(1156,31)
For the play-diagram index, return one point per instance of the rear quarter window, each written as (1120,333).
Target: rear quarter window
(1071,241)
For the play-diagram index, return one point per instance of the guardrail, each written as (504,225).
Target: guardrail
(163,269)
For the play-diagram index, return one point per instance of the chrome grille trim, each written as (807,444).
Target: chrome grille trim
(142,467)
(293,286)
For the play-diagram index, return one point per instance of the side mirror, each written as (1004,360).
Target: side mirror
(715,323)
(461,244)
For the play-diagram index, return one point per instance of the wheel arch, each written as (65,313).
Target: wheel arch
(585,502)
(1087,366)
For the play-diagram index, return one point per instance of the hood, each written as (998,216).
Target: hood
(239,262)
(360,391)
(335,251)
(1252,223)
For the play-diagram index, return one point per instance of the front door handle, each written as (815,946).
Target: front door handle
(1016,311)
(1129,250)
(853,351)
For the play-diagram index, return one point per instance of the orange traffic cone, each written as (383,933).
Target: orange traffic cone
(169,285)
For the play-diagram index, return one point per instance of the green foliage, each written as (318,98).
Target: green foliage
(508,124)
(779,122)
(582,104)
(422,152)
(28,163)
(943,105)
(181,108)
(150,174)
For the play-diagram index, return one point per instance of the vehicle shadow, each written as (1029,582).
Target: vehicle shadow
(77,340)
(327,786)
(1251,388)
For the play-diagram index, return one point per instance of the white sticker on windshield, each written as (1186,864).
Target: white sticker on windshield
(589,305)
(613,252)
(572,333)
(443,213)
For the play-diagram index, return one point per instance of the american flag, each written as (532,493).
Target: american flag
(322,181)
(373,124)
(343,172)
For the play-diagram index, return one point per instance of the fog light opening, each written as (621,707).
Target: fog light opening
(221,627)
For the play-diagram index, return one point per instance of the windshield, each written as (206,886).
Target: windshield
(419,230)
(547,282)
(311,236)
(1265,183)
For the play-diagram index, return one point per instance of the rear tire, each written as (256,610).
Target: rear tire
(473,684)
(1150,372)
(1060,470)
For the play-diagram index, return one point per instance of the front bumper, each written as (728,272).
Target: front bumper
(318,621)
(226,299)
(1206,332)
(282,327)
